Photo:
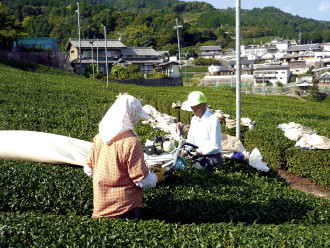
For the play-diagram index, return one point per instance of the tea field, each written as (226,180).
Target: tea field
(46,205)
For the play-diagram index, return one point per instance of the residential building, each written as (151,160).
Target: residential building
(246,51)
(271,74)
(94,51)
(301,52)
(171,69)
(304,85)
(302,49)
(324,79)
(282,46)
(146,57)
(210,52)
(298,67)
(245,63)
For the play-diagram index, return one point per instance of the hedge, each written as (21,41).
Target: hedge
(50,205)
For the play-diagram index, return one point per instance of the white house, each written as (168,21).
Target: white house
(271,74)
(171,69)
(213,70)
(252,51)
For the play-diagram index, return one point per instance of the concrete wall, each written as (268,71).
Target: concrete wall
(53,59)
(154,82)
(210,80)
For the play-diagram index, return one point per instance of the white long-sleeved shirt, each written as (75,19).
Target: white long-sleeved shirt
(205,133)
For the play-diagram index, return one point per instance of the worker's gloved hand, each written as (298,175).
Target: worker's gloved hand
(160,174)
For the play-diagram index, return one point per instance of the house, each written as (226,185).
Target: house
(94,51)
(146,57)
(324,79)
(229,53)
(245,63)
(210,52)
(298,67)
(267,57)
(282,46)
(170,68)
(304,85)
(246,51)
(271,74)
(302,49)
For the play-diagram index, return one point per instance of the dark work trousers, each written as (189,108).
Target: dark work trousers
(210,162)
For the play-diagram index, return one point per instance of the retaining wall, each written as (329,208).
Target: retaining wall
(58,60)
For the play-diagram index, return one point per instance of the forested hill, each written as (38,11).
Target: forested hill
(150,22)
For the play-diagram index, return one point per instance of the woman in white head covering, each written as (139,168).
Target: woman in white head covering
(116,162)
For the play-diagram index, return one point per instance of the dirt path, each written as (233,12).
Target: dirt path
(304,184)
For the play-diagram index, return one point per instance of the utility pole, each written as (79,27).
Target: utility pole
(106,54)
(238,69)
(78,11)
(92,42)
(97,56)
(177,33)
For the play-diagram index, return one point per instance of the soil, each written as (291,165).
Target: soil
(304,184)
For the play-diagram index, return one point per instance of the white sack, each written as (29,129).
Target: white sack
(314,141)
(231,144)
(294,131)
(256,161)
(43,147)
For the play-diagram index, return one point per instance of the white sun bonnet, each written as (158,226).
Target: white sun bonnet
(123,115)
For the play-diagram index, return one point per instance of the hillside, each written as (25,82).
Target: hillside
(149,23)
(46,205)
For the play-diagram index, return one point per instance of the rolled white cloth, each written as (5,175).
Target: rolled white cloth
(43,147)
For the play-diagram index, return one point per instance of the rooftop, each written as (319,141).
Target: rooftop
(111,43)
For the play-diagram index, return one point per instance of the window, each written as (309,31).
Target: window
(87,54)
(72,54)
(112,54)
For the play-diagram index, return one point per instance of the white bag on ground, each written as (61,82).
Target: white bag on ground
(256,161)
(314,141)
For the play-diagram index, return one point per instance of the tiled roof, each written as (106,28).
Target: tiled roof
(139,51)
(325,75)
(140,61)
(279,67)
(243,62)
(304,47)
(210,48)
(111,43)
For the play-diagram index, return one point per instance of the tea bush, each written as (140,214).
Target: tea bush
(45,205)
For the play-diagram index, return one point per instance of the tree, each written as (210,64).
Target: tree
(120,72)
(9,26)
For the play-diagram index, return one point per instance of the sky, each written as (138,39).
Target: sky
(315,9)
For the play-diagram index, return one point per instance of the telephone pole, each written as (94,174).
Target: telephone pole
(78,11)
(238,69)
(177,33)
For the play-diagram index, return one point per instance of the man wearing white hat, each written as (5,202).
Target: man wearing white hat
(204,132)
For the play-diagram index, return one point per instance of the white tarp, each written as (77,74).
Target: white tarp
(305,136)
(57,149)
(43,147)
